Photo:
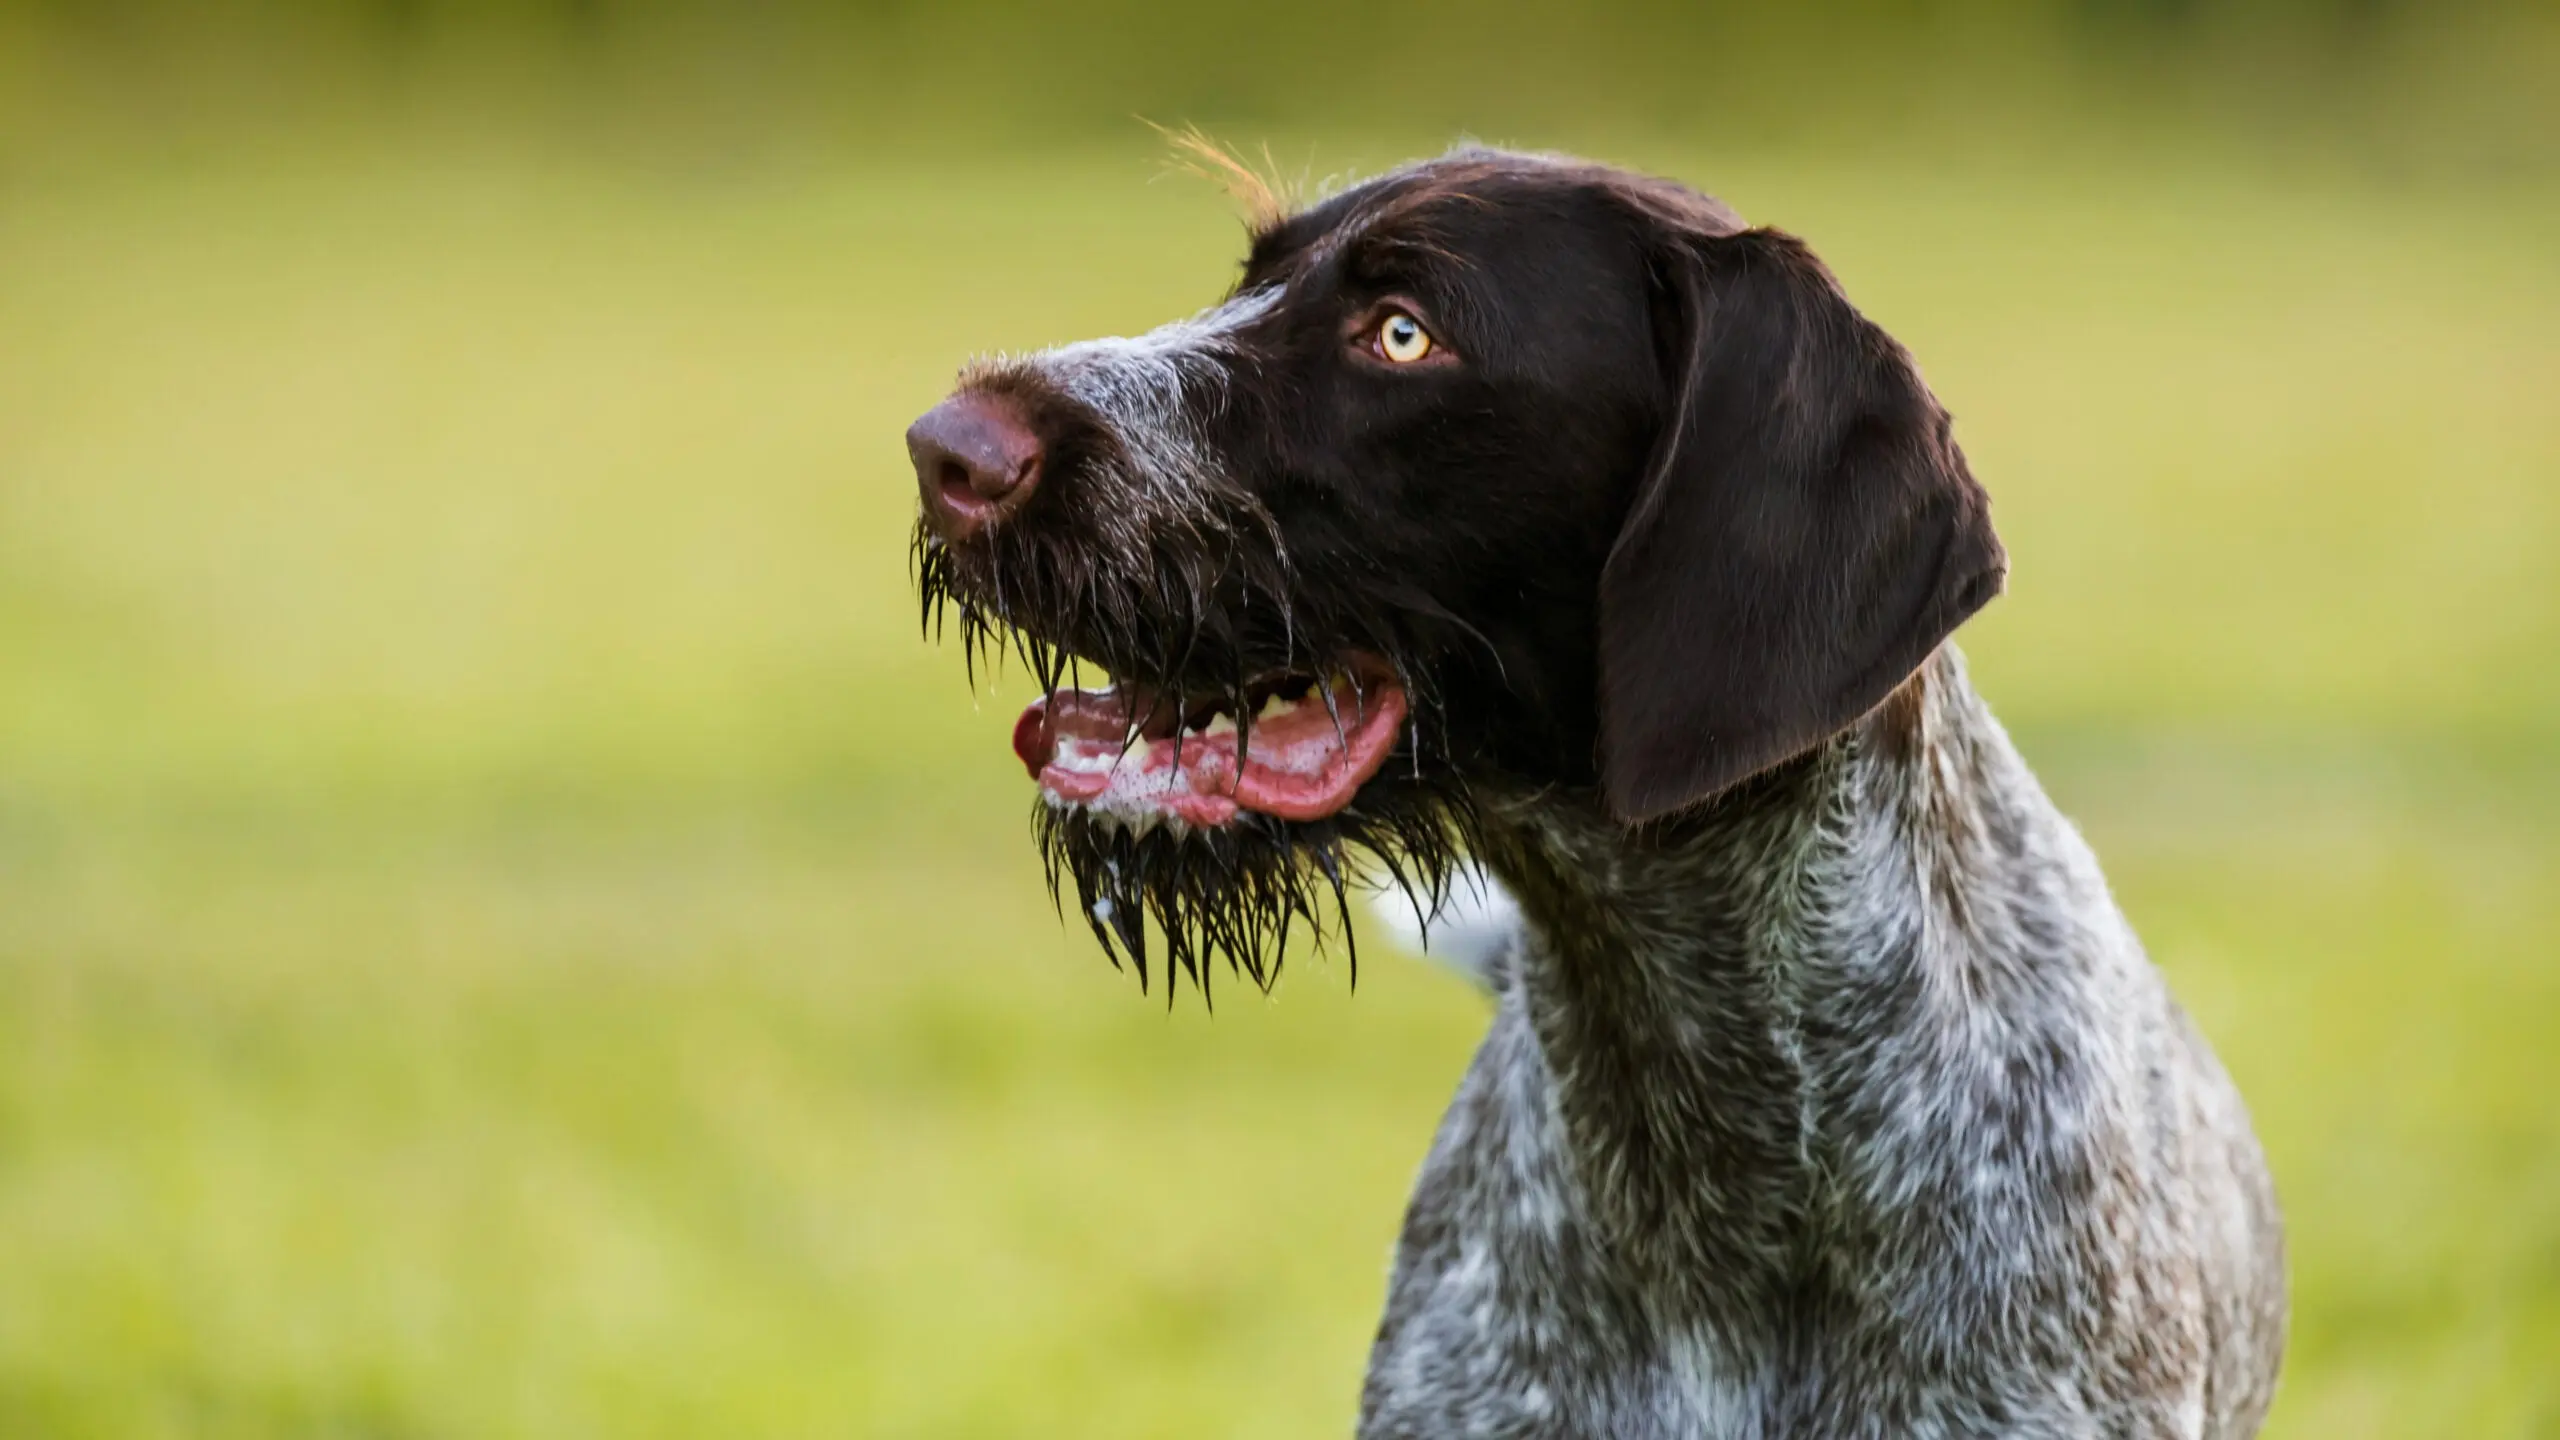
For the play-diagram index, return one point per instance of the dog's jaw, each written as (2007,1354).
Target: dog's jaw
(1133,757)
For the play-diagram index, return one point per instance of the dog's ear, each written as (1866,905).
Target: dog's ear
(1806,532)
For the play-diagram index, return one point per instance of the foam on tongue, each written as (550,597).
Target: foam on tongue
(1305,761)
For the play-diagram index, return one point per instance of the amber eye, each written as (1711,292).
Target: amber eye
(1401,338)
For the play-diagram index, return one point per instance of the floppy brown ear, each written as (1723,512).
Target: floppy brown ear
(1805,535)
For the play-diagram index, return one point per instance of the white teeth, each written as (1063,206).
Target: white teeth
(1078,758)
(1273,705)
(1127,819)
(1219,724)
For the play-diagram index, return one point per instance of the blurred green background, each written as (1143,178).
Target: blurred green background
(506,931)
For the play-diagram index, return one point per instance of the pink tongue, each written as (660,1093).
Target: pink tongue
(1303,765)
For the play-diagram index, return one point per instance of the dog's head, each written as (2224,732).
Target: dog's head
(1499,471)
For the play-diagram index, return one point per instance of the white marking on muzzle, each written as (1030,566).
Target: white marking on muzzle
(1156,392)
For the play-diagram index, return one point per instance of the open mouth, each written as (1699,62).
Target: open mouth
(1145,757)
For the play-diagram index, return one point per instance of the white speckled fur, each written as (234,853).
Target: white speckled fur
(1152,390)
(1852,1110)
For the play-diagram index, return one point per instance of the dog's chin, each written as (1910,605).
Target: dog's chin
(1237,891)
(1220,813)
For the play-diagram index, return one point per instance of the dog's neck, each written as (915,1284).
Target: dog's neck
(1697,989)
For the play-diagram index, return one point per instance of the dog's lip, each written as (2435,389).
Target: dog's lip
(1127,754)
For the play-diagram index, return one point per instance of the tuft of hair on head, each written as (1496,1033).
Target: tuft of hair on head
(1267,198)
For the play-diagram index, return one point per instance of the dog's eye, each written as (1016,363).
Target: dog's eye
(1401,338)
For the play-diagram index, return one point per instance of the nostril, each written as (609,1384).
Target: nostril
(1025,470)
(956,490)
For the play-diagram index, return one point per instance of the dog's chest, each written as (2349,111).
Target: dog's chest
(1504,1319)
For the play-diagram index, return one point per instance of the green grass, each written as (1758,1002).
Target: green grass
(504,930)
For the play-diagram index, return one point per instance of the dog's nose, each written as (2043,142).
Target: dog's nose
(976,460)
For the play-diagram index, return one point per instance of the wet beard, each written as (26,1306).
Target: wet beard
(1154,616)
(1239,891)
(1178,899)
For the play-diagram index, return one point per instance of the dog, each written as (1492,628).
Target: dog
(1519,511)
